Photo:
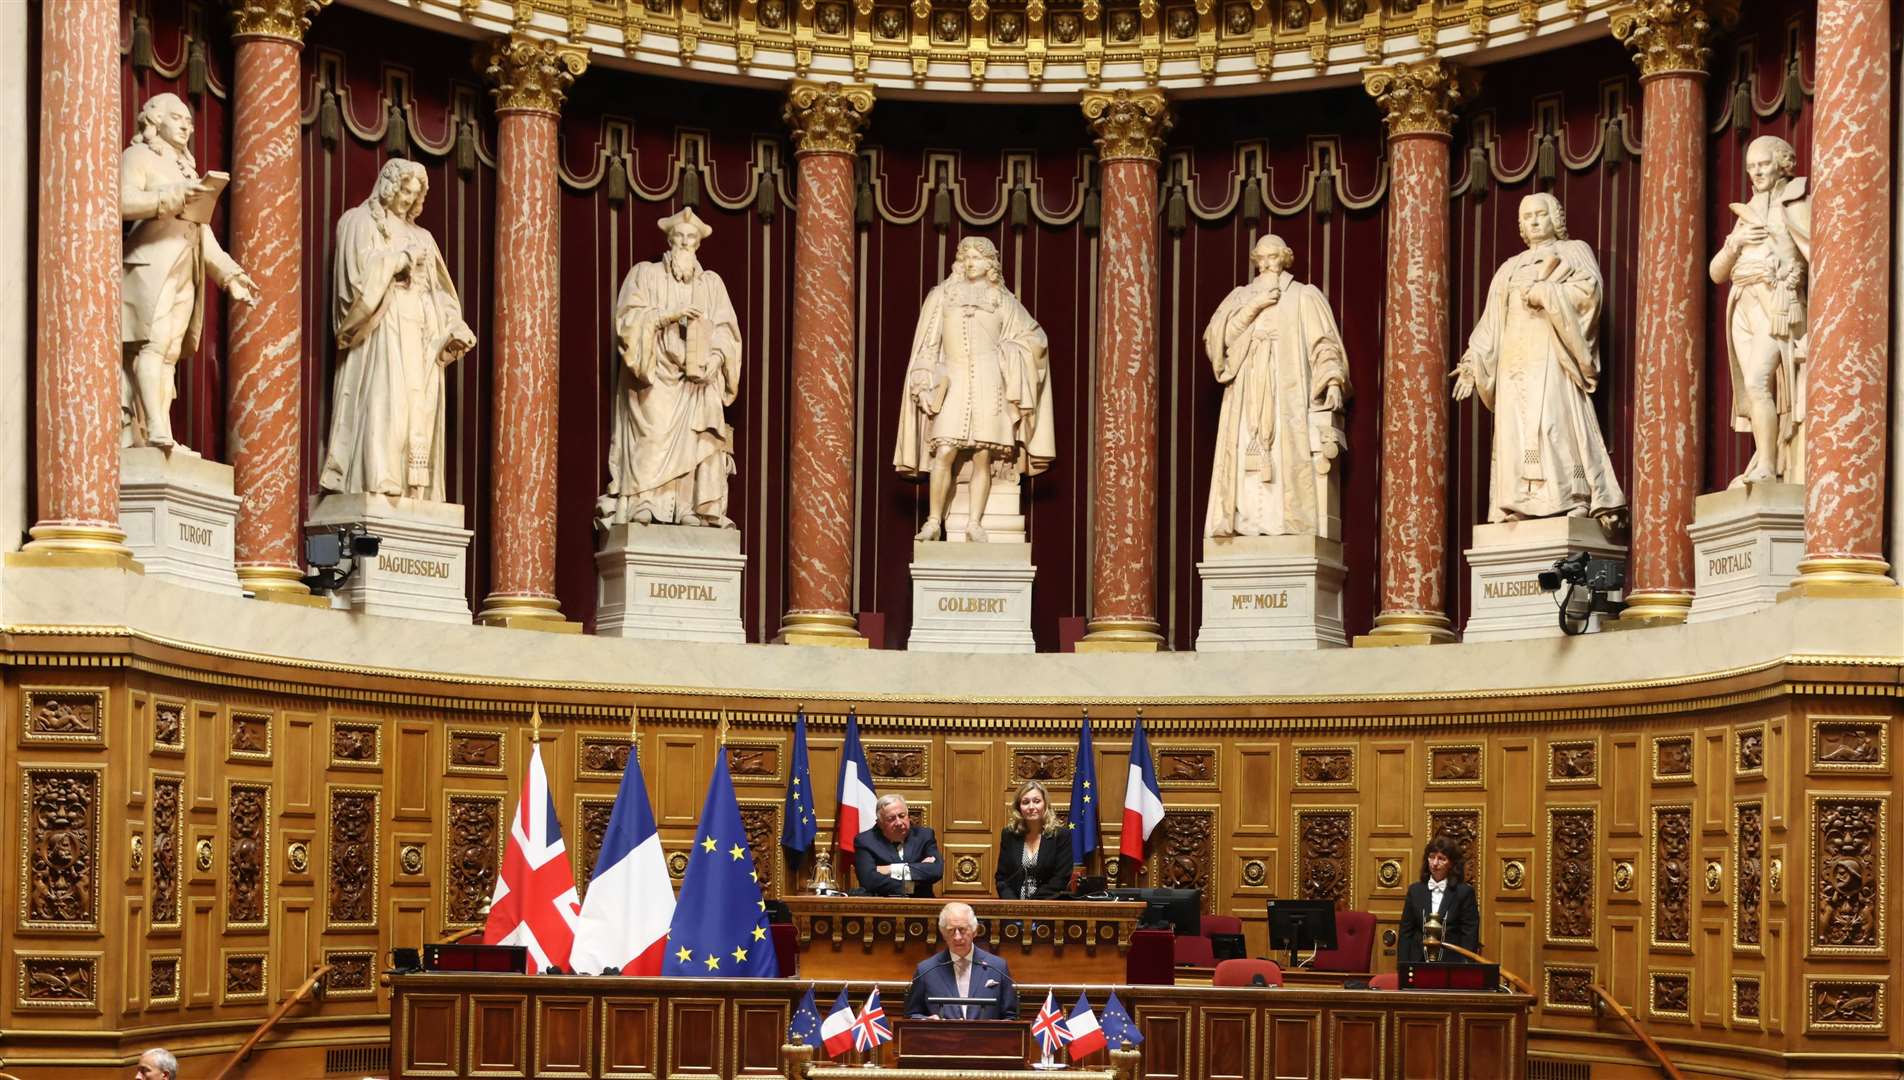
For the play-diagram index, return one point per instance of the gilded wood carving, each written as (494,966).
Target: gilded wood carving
(1847,1006)
(593,819)
(168,725)
(58,982)
(247,856)
(1325,856)
(1567,989)
(1672,876)
(168,851)
(63,715)
(1183,851)
(1571,909)
(1745,1000)
(1671,995)
(356,744)
(1748,857)
(1848,868)
(472,851)
(351,900)
(59,849)
(250,736)
(475,752)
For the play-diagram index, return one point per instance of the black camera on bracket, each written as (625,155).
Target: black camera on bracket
(333,555)
(1586,581)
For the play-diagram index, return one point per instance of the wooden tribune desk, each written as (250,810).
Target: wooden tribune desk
(584,1027)
(865,938)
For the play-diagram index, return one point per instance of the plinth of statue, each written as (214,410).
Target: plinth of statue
(673,582)
(1271,592)
(179,513)
(421,567)
(971,597)
(1746,544)
(1506,602)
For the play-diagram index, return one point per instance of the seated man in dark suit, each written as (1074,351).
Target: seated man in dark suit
(961,969)
(892,854)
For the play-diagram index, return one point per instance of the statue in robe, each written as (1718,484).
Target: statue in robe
(169,253)
(1274,346)
(399,324)
(671,450)
(978,386)
(1767,259)
(1534,359)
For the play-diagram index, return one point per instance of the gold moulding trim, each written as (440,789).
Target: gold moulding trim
(526,613)
(1670,37)
(1656,607)
(1843,577)
(827,117)
(1121,635)
(1129,125)
(826,628)
(1408,628)
(76,547)
(1419,98)
(286,20)
(530,74)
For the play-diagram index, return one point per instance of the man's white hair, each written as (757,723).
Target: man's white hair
(163,1060)
(953,910)
(891,797)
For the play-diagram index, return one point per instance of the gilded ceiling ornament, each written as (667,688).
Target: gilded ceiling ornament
(1419,98)
(826,118)
(531,74)
(1672,36)
(284,19)
(1129,124)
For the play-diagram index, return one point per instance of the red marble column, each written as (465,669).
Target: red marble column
(77,331)
(1418,102)
(1129,128)
(531,78)
(1850,303)
(825,120)
(1668,38)
(266,339)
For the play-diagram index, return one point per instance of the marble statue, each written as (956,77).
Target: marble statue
(671,450)
(1275,348)
(1767,258)
(399,324)
(169,252)
(978,384)
(1534,358)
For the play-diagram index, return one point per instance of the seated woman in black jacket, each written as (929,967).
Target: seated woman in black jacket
(1034,853)
(1441,892)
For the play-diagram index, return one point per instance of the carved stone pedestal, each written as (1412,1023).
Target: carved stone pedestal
(1506,603)
(1746,545)
(420,570)
(672,582)
(1271,592)
(971,597)
(179,513)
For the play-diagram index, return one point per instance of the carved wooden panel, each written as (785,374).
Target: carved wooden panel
(1183,851)
(244,977)
(1669,996)
(1325,767)
(168,847)
(353,974)
(1186,767)
(1566,988)
(1049,764)
(605,759)
(1672,759)
(1749,753)
(1573,762)
(57,981)
(1745,1001)
(250,736)
(1748,878)
(1672,877)
(478,752)
(63,714)
(247,856)
(59,848)
(356,744)
(899,764)
(756,762)
(1325,855)
(351,899)
(761,821)
(472,852)
(1850,745)
(1844,1006)
(1459,765)
(1848,900)
(1463,825)
(592,817)
(1571,841)
(162,980)
(168,726)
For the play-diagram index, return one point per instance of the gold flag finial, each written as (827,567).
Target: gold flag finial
(723,733)
(535,723)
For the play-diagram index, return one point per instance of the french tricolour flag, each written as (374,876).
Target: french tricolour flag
(836,1031)
(856,789)
(630,901)
(1086,1036)
(1143,799)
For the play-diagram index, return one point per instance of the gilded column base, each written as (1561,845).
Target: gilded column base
(1121,636)
(835,629)
(542,613)
(76,547)
(1843,579)
(279,585)
(1394,628)
(1648,609)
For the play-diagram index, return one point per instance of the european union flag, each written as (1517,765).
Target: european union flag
(797,828)
(720,924)
(1084,794)
(1118,1026)
(806,1023)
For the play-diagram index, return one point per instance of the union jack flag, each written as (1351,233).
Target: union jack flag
(1049,1028)
(535,903)
(870,1027)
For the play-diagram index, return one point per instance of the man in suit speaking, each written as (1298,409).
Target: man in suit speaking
(893,855)
(964,970)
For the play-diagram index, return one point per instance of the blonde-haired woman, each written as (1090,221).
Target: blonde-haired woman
(1034,855)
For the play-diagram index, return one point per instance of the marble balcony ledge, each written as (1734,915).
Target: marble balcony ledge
(35,602)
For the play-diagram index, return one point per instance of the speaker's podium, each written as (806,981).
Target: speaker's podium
(962,1044)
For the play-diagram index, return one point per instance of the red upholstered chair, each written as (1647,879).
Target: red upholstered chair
(1221,924)
(1354,943)
(1149,961)
(1244,972)
(1387,980)
(1193,950)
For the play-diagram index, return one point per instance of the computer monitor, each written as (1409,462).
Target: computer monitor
(1181,908)
(1301,925)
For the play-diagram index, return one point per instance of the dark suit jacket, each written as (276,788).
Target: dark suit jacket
(1051,872)
(871,849)
(990,978)
(1460,920)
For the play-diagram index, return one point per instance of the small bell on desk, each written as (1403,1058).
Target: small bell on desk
(1431,929)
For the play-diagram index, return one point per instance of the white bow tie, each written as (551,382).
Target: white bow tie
(1438,886)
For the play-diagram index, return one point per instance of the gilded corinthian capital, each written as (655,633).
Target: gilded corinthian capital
(1419,98)
(1671,37)
(530,74)
(826,118)
(1129,125)
(284,19)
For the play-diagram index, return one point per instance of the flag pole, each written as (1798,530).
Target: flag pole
(1094,862)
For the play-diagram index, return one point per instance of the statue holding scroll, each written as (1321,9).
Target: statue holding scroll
(1534,358)
(1767,259)
(1274,346)
(399,324)
(671,450)
(169,253)
(978,385)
